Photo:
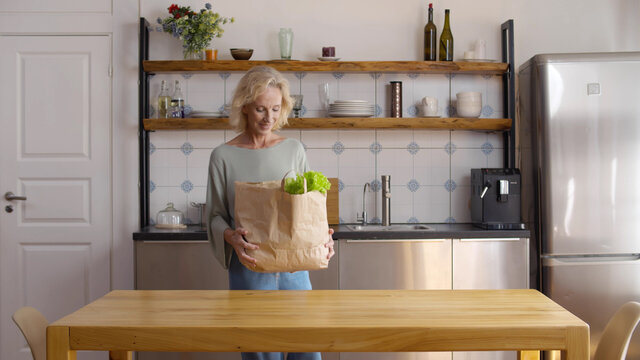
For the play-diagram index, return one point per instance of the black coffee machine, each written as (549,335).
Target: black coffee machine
(495,199)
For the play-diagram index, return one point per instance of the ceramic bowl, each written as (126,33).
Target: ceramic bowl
(469,95)
(241,54)
(469,110)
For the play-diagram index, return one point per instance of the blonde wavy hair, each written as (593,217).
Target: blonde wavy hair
(253,84)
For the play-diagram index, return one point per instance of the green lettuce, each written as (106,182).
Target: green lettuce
(316,181)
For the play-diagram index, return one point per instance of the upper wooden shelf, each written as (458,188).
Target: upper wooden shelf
(341,123)
(329,66)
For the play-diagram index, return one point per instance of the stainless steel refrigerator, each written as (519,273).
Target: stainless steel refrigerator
(579,142)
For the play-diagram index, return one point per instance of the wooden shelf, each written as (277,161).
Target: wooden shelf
(342,123)
(330,66)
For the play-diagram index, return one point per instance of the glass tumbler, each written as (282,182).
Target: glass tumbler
(286,43)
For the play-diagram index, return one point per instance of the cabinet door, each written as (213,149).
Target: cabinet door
(178,265)
(327,279)
(501,263)
(395,264)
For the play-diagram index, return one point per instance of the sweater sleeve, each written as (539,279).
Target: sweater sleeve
(218,217)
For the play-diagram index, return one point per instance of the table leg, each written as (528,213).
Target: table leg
(577,344)
(58,347)
(120,355)
(529,355)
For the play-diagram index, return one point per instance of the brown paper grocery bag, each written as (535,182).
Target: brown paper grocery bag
(291,230)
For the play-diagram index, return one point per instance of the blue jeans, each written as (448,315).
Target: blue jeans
(241,278)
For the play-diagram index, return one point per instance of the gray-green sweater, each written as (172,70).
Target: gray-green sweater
(229,164)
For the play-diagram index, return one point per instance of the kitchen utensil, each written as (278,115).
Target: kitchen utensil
(285,37)
(170,218)
(202,207)
(241,54)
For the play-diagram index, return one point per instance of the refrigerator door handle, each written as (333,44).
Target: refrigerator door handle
(561,260)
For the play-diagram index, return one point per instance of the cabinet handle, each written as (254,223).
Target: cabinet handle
(395,240)
(488,239)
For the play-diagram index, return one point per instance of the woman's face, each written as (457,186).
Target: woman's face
(263,113)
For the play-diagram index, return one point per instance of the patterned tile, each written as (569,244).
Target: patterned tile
(186,148)
(186,186)
(338,148)
(375,147)
(376,185)
(450,185)
(413,185)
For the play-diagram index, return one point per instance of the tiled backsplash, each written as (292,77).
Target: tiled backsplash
(429,168)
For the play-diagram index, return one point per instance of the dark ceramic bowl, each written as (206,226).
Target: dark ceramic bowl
(241,54)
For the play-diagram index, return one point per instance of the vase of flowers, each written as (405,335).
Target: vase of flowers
(195,29)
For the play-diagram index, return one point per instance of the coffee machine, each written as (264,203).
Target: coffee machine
(495,199)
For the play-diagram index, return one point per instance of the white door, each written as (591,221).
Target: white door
(55,137)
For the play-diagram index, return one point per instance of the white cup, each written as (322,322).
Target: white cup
(468,55)
(429,106)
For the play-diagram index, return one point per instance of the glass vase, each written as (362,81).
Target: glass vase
(193,55)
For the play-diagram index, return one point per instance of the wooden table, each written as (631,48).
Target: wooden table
(319,320)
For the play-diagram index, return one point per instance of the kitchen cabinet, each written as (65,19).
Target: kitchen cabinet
(413,264)
(490,263)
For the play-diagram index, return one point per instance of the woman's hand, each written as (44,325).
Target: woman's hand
(235,238)
(329,245)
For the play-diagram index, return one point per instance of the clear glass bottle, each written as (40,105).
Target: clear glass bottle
(446,40)
(177,102)
(430,38)
(164,100)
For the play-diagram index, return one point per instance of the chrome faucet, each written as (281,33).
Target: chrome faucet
(363,218)
(386,200)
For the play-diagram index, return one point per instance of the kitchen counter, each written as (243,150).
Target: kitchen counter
(437,231)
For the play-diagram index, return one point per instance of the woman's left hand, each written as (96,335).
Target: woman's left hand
(329,244)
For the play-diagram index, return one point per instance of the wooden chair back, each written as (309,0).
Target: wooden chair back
(33,326)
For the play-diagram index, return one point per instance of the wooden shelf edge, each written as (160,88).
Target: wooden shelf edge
(154,66)
(341,123)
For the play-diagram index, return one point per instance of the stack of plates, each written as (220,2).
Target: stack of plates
(351,108)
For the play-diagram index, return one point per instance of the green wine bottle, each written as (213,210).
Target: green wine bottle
(446,40)
(430,38)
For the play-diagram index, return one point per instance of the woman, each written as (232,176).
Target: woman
(261,104)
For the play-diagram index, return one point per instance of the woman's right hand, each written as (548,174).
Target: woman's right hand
(235,238)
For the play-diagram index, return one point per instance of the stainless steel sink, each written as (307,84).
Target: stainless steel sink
(393,227)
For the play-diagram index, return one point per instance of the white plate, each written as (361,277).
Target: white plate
(427,116)
(350,102)
(478,60)
(350,106)
(349,115)
(328,58)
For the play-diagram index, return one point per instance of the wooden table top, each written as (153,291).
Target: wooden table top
(324,320)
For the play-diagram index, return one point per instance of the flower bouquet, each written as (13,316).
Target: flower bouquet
(195,29)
